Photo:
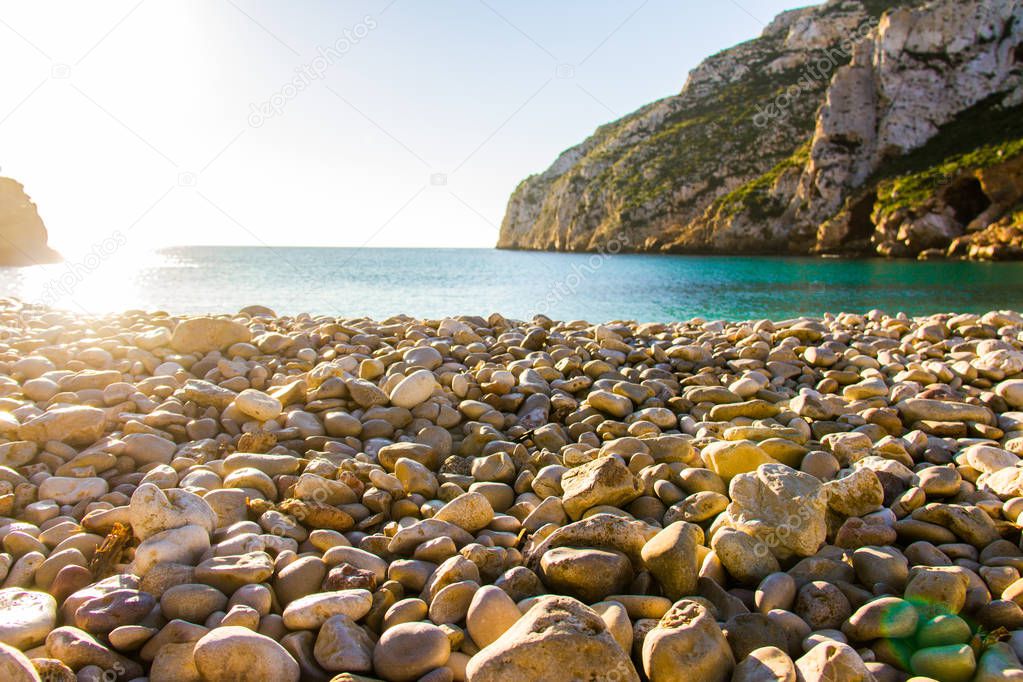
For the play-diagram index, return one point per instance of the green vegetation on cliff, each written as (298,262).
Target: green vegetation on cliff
(980,137)
(695,138)
(755,197)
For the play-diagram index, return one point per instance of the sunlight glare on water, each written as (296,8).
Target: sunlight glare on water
(440,282)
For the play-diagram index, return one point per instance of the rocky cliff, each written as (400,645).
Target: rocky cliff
(857,126)
(23,238)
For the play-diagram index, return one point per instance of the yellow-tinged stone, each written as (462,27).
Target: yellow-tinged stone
(730,458)
(785,451)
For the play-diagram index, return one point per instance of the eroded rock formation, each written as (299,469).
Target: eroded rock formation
(854,127)
(22,233)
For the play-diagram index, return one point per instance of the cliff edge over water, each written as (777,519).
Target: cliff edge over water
(23,238)
(853,127)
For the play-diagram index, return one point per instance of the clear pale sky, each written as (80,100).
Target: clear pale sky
(414,121)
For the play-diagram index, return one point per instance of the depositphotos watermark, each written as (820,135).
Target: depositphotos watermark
(779,535)
(77,271)
(309,73)
(569,284)
(813,74)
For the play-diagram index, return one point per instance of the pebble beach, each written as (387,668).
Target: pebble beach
(260,497)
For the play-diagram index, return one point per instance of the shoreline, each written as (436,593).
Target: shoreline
(264,497)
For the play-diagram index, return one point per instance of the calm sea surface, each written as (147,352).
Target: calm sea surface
(439,282)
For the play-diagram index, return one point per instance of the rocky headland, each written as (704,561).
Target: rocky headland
(23,238)
(857,127)
(261,497)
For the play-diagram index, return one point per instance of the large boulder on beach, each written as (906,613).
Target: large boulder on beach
(231,654)
(16,666)
(23,236)
(408,651)
(687,644)
(74,425)
(152,510)
(605,480)
(28,616)
(784,508)
(205,334)
(558,639)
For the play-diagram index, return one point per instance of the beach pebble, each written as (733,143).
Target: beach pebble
(670,556)
(63,490)
(258,405)
(557,639)
(75,425)
(236,653)
(341,645)
(28,616)
(687,644)
(204,334)
(16,666)
(309,613)
(410,650)
(413,389)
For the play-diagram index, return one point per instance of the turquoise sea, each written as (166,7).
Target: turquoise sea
(438,282)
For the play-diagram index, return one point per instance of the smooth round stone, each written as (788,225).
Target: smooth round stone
(413,389)
(299,578)
(951,663)
(228,573)
(821,464)
(258,405)
(776,591)
(174,662)
(256,597)
(410,650)
(65,490)
(670,556)
(451,604)
(342,645)
(747,632)
(491,613)
(191,602)
(16,666)
(184,545)
(937,591)
(766,664)
(590,574)
(130,637)
(405,611)
(114,609)
(78,649)
(27,617)
(424,356)
(886,617)
(943,630)
(230,654)
(747,558)
(885,565)
(470,511)
(309,613)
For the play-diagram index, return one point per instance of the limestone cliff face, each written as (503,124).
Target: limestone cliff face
(788,143)
(22,233)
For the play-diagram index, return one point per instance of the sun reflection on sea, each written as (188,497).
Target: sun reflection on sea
(102,279)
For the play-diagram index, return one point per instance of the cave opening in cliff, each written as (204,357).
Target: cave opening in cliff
(861,227)
(967,199)
(1018,54)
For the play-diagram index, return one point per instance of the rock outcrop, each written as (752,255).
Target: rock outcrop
(857,126)
(22,233)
